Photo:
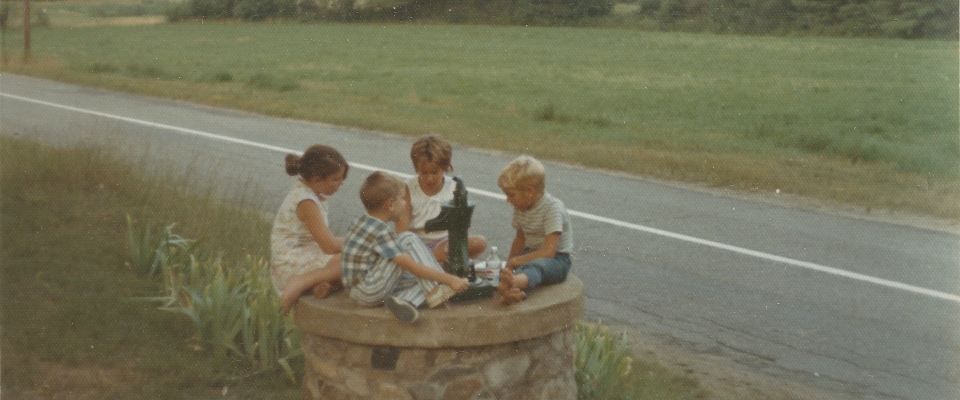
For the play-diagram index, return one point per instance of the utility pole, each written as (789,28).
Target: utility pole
(26,30)
(4,15)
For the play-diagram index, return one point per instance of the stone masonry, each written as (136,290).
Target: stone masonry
(475,350)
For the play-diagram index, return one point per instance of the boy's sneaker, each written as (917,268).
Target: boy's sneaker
(439,295)
(402,309)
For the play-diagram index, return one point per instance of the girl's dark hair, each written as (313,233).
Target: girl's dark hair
(318,160)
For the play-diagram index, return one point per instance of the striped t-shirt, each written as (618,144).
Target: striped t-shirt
(547,216)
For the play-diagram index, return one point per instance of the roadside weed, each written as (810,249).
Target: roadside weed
(150,251)
(602,362)
(234,308)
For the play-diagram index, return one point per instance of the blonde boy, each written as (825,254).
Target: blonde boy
(542,247)
(382,267)
(431,156)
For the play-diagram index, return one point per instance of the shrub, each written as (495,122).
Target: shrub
(211,8)
(671,11)
(177,12)
(591,8)
(255,10)
(309,10)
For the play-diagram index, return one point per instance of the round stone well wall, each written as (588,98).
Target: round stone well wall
(470,350)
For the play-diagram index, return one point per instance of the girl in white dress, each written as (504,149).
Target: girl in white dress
(305,254)
(429,190)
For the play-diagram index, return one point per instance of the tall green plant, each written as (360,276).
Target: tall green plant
(234,308)
(150,251)
(602,362)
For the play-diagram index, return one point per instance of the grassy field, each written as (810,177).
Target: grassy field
(72,326)
(870,123)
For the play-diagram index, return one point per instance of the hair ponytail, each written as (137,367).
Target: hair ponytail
(292,164)
(318,160)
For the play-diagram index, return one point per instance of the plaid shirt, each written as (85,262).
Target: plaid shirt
(368,242)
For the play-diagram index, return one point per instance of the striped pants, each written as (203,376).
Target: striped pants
(386,278)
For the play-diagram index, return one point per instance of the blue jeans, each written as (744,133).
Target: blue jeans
(544,271)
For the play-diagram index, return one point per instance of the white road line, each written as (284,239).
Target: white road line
(592,217)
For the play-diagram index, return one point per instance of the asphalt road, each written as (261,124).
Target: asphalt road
(850,307)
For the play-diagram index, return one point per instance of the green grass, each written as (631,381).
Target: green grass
(866,122)
(68,284)
(71,328)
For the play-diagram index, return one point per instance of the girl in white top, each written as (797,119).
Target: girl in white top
(305,254)
(431,156)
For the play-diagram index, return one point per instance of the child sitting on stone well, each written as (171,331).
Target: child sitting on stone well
(381,266)
(305,256)
(429,190)
(542,247)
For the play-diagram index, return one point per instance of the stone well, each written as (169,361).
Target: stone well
(473,350)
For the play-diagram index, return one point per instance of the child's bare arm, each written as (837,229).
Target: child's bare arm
(309,213)
(549,250)
(421,271)
(403,224)
(519,243)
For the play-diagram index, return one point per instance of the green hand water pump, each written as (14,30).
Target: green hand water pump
(455,218)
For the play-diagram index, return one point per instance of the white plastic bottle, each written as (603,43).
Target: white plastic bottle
(494,265)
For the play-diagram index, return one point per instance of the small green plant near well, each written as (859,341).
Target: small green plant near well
(607,369)
(152,251)
(602,361)
(234,309)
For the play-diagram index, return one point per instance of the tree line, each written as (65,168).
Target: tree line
(907,19)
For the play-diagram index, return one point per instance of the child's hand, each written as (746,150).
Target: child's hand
(457,283)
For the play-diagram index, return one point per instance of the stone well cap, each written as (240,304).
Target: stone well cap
(548,309)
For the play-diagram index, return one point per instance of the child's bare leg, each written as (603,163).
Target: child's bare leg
(324,289)
(321,290)
(298,284)
(441,254)
(476,245)
(512,296)
(511,287)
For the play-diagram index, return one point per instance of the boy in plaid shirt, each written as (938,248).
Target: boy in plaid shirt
(383,267)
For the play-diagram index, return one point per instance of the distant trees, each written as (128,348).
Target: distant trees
(248,10)
(908,19)
(473,11)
